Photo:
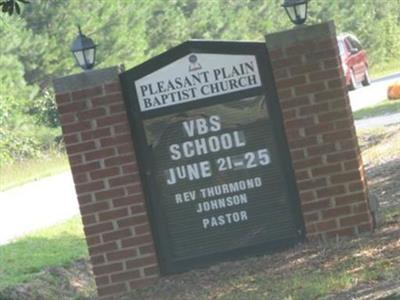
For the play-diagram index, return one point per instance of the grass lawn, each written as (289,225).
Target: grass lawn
(22,172)
(54,246)
(383,108)
(383,69)
(337,269)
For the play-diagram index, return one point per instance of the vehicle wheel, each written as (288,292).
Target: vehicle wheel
(366,81)
(353,82)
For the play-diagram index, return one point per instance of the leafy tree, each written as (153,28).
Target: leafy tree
(35,47)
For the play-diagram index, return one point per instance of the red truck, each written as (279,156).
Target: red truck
(354,61)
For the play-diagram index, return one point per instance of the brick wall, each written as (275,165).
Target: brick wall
(103,163)
(321,136)
(320,131)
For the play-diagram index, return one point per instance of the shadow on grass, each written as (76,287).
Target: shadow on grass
(386,107)
(343,269)
(375,137)
(383,184)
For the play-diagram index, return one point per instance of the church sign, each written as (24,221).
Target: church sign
(212,153)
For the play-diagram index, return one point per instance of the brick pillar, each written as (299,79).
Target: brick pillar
(104,168)
(320,130)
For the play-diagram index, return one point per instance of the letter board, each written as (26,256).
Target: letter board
(212,153)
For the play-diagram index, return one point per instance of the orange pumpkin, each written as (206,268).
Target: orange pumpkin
(393,92)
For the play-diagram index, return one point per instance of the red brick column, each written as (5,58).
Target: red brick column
(320,131)
(105,172)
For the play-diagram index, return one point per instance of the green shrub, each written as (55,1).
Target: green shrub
(14,147)
(32,141)
(21,137)
(28,121)
(45,109)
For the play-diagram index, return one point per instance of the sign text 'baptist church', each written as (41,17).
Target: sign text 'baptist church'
(197,76)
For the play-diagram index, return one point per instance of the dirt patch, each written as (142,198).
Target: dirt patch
(74,281)
(229,280)
(381,156)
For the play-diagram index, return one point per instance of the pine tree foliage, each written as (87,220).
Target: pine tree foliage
(35,45)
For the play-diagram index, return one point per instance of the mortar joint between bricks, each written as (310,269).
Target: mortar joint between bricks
(132,231)
(302,132)
(124,266)
(97,144)
(303,59)
(96,217)
(89,104)
(106,184)
(118,242)
(113,133)
(108,110)
(115,227)
(100,236)
(292,91)
(308,80)
(306,156)
(79,137)
(356,230)
(338,147)
(326,83)
(93,124)
(102,164)
(126,191)
(315,119)
(312,99)
(320,140)
(324,159)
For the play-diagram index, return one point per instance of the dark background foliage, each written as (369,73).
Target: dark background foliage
(35,43)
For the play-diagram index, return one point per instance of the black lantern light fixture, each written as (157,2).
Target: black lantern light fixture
(84,51)
(296,10)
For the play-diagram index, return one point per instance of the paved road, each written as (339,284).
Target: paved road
(36,205)
(375,93)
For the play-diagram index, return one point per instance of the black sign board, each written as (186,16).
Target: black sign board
(212,152)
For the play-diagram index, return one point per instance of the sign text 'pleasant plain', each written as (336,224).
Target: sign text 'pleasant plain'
(195,77)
